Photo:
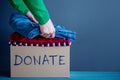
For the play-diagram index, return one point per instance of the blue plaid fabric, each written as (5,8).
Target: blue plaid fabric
(26,27)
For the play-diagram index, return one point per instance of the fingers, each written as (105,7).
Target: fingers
(30,15)
(48,30)
(34,20)
(46,35)
(51,35)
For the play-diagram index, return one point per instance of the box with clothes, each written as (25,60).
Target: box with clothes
(39,57)
(35,56)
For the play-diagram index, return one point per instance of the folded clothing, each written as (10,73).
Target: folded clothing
(26,27)
(18,40)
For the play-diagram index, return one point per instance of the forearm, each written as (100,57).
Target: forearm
(19,6)
(39,10)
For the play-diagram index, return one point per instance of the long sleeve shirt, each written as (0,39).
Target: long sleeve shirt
(37,8)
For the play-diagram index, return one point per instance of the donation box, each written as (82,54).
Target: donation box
(39,57)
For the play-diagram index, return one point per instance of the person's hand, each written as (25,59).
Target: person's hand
(47,30)
(30,15)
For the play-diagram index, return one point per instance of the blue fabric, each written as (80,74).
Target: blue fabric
(26,27)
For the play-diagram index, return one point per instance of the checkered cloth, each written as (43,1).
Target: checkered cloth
(18,40)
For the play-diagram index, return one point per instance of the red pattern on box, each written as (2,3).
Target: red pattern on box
(18,40)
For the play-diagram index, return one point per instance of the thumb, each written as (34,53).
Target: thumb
(34,20)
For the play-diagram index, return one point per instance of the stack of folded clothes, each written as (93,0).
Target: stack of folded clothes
(18,40)
(29,29)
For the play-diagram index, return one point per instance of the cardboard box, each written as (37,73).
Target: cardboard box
(39,61)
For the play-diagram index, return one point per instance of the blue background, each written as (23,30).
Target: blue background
(97,23)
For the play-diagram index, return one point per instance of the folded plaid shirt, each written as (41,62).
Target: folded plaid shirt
(26,27)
